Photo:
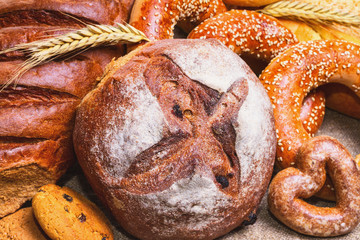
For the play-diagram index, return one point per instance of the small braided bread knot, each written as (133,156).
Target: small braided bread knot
(291,185)
(249,33)
(157,19)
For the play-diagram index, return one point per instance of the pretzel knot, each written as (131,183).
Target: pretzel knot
(293,74)
(157,19)
(292,184)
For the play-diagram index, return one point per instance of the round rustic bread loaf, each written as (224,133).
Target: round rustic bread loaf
(178,140)
(37,115)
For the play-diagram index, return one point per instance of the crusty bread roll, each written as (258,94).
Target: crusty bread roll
(177,140)
(37,116)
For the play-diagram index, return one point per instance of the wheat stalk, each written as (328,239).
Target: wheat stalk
(43,51)
(311,13)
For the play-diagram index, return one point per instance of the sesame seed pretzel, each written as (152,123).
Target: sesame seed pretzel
(249,33)
(157,19)
(313,111)
(292,75)
(290,185)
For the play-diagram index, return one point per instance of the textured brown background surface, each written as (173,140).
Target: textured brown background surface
(345,129)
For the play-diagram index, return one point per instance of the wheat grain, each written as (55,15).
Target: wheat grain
(43,51)
(311,13)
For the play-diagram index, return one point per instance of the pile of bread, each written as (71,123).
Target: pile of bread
(178,137)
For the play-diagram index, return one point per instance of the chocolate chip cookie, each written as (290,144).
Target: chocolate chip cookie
(65,214)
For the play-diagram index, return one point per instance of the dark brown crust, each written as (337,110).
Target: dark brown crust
(81,69)
(198,144)
(18,119)
(101,11)
(37,115)
(40,152)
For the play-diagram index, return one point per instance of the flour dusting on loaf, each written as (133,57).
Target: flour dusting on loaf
(255,116)
(182,138)
(211,71)
(142,127)
(196,196)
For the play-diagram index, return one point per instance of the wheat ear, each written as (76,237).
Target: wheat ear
(311,13)
(46,50)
